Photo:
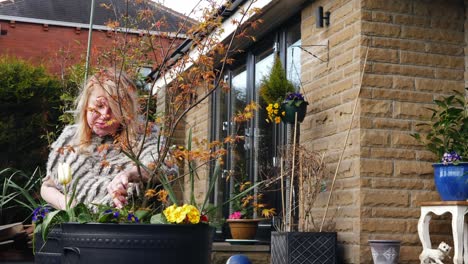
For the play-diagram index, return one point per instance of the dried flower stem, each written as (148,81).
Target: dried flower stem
(291,185)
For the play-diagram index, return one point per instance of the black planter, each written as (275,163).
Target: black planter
(136,243)
(303,247)
(291,110)
(49,252)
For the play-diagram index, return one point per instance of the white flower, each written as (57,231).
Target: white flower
(64,173)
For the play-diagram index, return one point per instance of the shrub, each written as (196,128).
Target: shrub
(29,102)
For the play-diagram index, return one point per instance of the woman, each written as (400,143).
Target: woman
(107,125)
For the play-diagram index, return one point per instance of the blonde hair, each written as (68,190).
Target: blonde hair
(123,102)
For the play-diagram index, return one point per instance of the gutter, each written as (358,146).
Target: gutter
(86,26)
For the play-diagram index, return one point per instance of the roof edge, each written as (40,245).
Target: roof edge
(175,13)
(86,26)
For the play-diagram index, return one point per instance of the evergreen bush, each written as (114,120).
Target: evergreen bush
(29,103)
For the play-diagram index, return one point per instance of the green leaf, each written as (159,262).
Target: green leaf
(83,213)
(141,214)
(158,219)
(52,219)
(105,218)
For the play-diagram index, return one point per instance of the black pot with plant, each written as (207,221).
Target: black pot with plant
(294,103)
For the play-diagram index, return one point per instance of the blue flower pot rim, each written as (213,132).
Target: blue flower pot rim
(440,164)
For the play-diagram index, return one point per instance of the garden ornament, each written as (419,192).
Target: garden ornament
(238,259)
(429,255)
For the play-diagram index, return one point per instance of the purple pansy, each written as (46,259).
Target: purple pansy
(40,213)
(132,218)
(294,96)
(450,157)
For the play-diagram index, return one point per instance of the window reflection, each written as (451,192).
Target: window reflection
(293,63)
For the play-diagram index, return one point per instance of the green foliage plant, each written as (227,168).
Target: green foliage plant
(276,86)
(448,130)
(29,103)
(19,194)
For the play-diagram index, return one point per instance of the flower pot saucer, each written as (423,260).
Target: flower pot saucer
(242,241)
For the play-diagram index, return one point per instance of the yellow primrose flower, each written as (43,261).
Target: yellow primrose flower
(169,213)
(192,213)
(277,120)
(179,215)
(276,105)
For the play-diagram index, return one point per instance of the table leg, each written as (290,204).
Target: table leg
(458,223)
(465,238)
(423,228)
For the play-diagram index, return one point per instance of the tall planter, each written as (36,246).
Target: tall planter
(451,181)
(303,247)
(136,243)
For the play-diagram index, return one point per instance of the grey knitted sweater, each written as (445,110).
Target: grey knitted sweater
(95,167)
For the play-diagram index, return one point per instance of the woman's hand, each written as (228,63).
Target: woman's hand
(117,188)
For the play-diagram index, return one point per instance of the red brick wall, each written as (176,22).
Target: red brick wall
(55,46)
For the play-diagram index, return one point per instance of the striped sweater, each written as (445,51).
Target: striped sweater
(94,168)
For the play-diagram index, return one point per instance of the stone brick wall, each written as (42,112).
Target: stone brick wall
(198,119)
(330,88)
(416,53)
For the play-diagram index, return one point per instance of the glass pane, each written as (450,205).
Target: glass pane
(264,144)
(293,65)
(240,158)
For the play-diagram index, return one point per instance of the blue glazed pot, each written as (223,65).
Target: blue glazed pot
(451,181)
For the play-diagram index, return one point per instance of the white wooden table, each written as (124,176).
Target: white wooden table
(458,210)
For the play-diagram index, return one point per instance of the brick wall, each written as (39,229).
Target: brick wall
(198,119)
(330,88)
(416,53)
(54,46)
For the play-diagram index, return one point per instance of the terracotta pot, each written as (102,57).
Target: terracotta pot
(243,228)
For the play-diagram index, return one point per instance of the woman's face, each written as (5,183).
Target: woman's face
(99,115)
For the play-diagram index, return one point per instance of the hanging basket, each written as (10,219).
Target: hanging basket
(291,110)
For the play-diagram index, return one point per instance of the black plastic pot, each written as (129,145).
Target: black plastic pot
(304,247)
(50,251)
(291,110)
(136,243)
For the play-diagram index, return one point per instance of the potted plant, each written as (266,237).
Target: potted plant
(293,104)
(447,138)
(280,96)
(247,212)
(298,238)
